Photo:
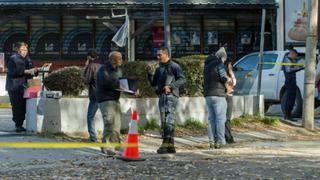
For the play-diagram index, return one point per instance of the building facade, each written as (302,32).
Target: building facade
(63,31)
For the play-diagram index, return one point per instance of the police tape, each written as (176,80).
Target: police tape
(63,145)
(5,105)
(283,63)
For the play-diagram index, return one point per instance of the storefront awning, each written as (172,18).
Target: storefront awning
(140,3)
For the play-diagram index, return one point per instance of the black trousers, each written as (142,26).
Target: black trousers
(18,104)
(291,89)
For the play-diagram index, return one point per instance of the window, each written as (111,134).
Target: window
(269,58)
(250,62)
(45,37)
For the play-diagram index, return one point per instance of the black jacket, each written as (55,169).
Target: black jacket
(170,74)
(214,77)
(290,71)
(107,83)
(16,78)
(91,78)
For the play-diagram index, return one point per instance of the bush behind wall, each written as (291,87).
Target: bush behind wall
(70,80)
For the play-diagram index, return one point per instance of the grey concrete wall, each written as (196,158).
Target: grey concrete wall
(68,115)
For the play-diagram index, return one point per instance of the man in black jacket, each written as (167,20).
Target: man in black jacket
(20,69)
(92,66)
(168,78)
(108,98)
(215,79)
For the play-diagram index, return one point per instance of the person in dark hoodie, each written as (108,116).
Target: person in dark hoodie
(167,78)
(91,68)
(215,79)
(20,69)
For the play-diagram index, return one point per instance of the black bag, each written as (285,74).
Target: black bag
(228,134)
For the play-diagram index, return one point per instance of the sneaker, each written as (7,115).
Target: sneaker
(108,152)
(293,120)
(92,140)
(211,146)
(20,129)
(219,146)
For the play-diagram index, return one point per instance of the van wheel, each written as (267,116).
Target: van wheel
(297,108)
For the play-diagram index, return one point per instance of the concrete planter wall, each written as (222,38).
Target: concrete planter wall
(68,115)
(3,91)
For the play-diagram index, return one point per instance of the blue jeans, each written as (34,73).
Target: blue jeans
(217,113)
(92,109)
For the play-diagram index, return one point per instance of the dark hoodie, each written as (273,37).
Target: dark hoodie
(215,77)
(108,83)
(90,74)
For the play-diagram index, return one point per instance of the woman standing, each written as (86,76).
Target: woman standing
(20,68)
(230,89)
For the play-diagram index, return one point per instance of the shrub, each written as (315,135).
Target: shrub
(152,124)
(194,57)
(69,80)
(241,121)
(270,120)
(137,70)
(194,124)
(193,70)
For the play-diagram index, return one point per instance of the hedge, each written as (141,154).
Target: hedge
(70,80)
(193,70)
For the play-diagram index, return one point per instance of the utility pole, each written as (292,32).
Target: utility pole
(166,20)
(263,22)
(309,78)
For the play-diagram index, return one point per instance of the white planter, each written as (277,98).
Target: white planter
(69,115)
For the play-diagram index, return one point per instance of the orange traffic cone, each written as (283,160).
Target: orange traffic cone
(131,153)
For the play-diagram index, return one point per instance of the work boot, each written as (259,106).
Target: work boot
(171,148)
(287,116)
(211,146)
(164,147)
(20,129)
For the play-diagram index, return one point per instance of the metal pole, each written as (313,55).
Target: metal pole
(263,21)
(309,78)
(166,21)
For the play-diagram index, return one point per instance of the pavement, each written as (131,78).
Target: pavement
(275,110)
(256,155)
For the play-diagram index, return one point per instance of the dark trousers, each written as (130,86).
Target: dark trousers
(167,107)
(18,104)
(291,89)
